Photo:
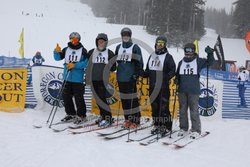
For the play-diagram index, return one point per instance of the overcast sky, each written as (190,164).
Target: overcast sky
(218,4)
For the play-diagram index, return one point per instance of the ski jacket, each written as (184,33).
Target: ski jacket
(98,62)
(160,66)
(129,62)
(77,55)
(187,75)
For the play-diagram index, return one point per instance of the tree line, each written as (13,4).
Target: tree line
(180,20)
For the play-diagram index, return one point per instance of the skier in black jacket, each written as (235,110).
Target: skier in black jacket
(188,81)
(160,69)
(99,61)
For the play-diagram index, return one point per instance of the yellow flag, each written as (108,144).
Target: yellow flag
(196,47)
(21,49)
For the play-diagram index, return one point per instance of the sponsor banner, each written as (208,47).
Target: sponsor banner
(47,82)
(114,101)
(210,107)
(13,62)
(12,89)
(219,75)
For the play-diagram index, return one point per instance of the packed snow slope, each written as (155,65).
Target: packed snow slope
(47,22)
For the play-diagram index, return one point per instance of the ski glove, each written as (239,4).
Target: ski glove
(209,50)
(70,66)
(58,48)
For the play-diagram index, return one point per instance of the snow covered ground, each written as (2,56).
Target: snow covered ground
(50,22)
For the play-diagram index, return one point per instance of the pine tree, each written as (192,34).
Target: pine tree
(241,18)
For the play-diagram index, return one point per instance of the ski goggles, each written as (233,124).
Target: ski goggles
(160,43)
(189,50)
(74,40)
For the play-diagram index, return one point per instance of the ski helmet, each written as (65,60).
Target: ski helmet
(75,35)
(126,31)
(101,36)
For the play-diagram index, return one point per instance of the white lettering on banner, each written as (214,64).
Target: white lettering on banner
(189,68)
(125,54)
(73,55)
(208,102)
(50,87)
(156,62)
(100,57)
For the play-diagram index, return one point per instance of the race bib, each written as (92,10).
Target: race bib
(72,55)
(188,68)
(100,57)
(125,54)
(156,62)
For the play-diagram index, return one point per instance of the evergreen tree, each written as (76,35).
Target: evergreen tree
(241,18)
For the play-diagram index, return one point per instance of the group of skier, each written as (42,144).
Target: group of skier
(127,61)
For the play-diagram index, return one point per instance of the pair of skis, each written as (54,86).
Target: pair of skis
(183,141)
(175,140)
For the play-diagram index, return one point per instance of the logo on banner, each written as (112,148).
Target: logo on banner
(50,87)
(208,101)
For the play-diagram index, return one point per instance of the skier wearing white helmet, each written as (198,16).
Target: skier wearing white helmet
(75,62)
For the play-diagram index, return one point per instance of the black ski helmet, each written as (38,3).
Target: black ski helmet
(101,36)
(189,46)
(75,35)
(126,30)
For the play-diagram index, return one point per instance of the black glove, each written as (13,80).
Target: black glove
(209,50)
(239,79)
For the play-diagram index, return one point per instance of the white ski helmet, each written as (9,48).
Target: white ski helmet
(75,35)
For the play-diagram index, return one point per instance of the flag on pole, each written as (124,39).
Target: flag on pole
(196,46)
(21,41)
(220,53)
(248,41)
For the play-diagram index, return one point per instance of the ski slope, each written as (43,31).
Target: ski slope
(22,145)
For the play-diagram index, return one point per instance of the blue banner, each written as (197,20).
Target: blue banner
(13,62)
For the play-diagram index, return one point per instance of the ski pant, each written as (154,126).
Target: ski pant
(99,91)
(242,90)
(130,102)
(190,101)
(77,91)
(160,107)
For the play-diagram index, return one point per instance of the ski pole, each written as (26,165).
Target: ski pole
(131,106)
(55,106)
(207,88)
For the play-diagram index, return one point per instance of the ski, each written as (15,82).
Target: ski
(72,131)
(154,139)
(173,139)
(187,140)
(141,139)
(124,133)
(102,134)
(57,123)
(73,127)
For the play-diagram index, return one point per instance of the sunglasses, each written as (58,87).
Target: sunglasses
(189,50)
